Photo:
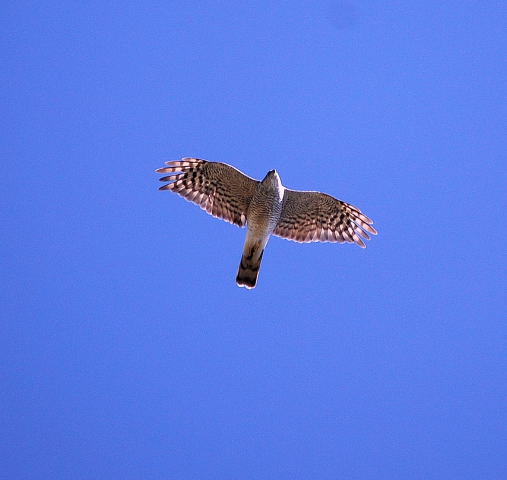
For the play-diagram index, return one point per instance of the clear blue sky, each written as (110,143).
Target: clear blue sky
(128,350)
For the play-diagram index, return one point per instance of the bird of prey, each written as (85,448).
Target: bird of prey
(266,207)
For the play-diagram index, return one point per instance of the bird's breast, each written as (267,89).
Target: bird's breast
(264,211)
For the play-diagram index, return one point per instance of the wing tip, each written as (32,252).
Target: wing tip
(184,163)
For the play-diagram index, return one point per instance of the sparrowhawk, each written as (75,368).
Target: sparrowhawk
(266,207)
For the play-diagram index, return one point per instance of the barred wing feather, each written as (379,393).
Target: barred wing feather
(220,189)
(318,217)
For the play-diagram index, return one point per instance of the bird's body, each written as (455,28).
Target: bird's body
(262,218)
(266,208)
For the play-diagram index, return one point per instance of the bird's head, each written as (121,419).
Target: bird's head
(272,177)
(273,182)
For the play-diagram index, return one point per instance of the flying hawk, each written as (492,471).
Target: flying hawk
(266,207)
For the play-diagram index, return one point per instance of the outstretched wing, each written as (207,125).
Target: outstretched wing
(221,190)
(317,217)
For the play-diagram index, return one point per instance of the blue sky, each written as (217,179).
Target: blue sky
(130,353)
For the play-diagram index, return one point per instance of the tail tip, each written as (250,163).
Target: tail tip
(248,283)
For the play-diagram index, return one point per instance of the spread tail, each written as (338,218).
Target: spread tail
(250,264)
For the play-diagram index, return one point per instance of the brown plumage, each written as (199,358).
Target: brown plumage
(266,207)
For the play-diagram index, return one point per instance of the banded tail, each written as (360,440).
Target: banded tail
(250,264)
